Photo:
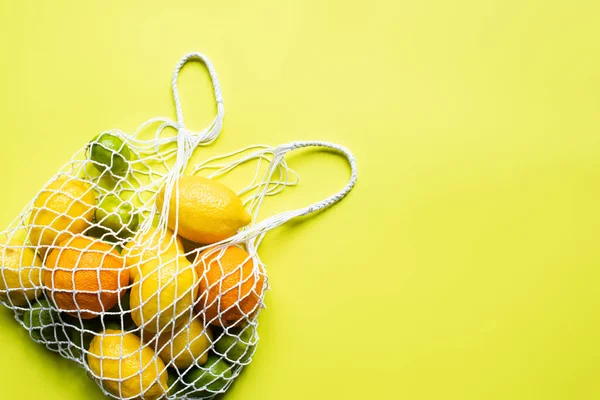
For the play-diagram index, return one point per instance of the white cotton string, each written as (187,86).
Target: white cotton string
(187,141)
(259,153)
(257,230)
(212,131)
(201,138)
(160,150)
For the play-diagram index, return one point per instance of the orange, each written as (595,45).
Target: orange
(85,276)
(231,287)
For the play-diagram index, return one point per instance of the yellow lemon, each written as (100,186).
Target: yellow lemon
(20,272)
(208,210)
(148,245)
(62,208)
(125,367)
(189,344)
(162,294)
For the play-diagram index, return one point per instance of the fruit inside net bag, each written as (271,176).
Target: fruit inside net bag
(147,277)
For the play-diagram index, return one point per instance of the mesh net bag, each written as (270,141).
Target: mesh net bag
(144,274)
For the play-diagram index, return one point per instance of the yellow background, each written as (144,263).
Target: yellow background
(465,263)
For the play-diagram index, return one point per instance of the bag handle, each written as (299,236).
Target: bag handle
(184,136)
(187,141)
(253,235)
(209,134)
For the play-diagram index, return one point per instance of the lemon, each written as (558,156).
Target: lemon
(64,207)
(109,151)
(148,245)
(125,367)
(208,210)
(163,293)
(188,345)
(117,216)
(20,272)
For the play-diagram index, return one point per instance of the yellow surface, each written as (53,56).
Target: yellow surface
(465,263)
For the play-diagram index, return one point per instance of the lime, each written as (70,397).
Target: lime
(119,317)
(117,216)
(121,323)
(173,383)
(125,325)
(109,151)
(211,378)
(100,232)
(121,308)
(42,322)
(127,368)
(81,333)
(237,344)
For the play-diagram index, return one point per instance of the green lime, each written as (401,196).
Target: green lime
(212,377)
(237,344)
(109,151)
(81,333)
(43,322)
(173,383)
(119,317)
(121,322)
(121,308)
(101,233)
(117,216)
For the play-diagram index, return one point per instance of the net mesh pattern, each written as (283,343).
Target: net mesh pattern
(107,284)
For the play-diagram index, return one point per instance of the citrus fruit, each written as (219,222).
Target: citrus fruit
(237,344)
(163,293)
(117,216)
(149,245)
(121,310)
(63,208)
(188,345)
(108,151)
(81,333)
(119,317)
(125,367)
(231,287)
(174,383)
(40,321)
(20,272)
(85,277)
(127,326)
(208,210)
(210,378)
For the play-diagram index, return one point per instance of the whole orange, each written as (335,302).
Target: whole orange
(85,276)
(231,285)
